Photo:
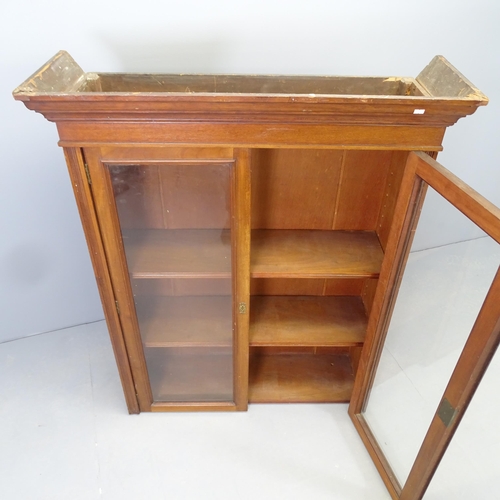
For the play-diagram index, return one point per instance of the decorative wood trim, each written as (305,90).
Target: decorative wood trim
(159,146)
(440,78)
(252,135)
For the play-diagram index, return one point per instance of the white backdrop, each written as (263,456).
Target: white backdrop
(46,280)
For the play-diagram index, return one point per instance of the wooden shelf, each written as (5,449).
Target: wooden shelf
(185,321)
(178,253)
(190,375)
(315,254)
(300,378)
(307,321)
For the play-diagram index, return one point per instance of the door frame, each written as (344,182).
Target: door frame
(96,162)
(422,171)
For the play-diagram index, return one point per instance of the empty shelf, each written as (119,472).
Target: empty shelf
(185,321)
(307,321)
(279,253)
(178,253)
(300,378)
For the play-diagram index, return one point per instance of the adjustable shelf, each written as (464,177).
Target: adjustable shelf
(315,254)
(307,321)
(178,253)
(200,321)
(299,378)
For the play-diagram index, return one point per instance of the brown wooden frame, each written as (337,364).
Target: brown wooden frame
(124,331)
(421,170)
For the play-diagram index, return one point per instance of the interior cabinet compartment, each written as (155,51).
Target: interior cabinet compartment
(314,254)
(175,222)
(171,253)
(177,312)
(277,320)
(206,285)
(298,376)
(326,189)
(319,219)
(190,374)
(185,321)
(173,193)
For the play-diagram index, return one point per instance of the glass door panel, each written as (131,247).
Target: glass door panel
(440,296)
(434,328)
(175,222)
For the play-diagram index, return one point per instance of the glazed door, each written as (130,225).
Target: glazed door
(174,231)
(434,329)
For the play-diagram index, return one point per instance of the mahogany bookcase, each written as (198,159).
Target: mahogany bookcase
(249,233)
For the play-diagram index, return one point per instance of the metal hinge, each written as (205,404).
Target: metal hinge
(446,412)
(87,173)
(117,307)
(242,308)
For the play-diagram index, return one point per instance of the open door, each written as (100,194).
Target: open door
(434,329)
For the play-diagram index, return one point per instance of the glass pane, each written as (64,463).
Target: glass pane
(175,223)
(442,291)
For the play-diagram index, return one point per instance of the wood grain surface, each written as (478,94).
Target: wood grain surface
(315,254)
(299,378)
(307,321)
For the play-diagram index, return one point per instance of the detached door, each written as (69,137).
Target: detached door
(171,227)
(434,329)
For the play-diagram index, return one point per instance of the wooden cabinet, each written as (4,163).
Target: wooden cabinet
(246,231)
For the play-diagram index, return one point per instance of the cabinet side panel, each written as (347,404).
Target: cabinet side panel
(90,225)
(361,190)
(294,188)
(392,186)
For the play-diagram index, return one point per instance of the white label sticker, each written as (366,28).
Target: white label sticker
(418,111)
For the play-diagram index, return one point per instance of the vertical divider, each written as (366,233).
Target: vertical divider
(241,268)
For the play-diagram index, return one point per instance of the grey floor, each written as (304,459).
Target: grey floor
(65,432)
